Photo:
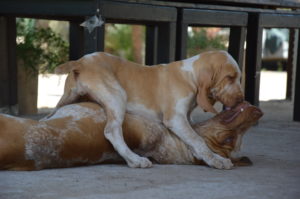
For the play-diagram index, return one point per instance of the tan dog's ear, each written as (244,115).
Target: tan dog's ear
(203,99)
(66,67)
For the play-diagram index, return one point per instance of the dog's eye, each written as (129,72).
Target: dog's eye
(228,140)
(231,78)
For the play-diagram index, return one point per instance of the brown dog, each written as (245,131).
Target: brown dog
(165,93)
(74,136)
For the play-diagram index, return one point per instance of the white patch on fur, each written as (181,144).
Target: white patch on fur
(182,105)
(140,109)
(187,64)
(91,55)
(78,112)
(180,125)
(43,142)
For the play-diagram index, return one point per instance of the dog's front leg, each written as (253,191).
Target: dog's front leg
(113,98)
(181,127)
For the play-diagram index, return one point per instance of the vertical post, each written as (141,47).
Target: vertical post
(8,65)
(236,44)
(296,115)
(4,75)
(12,64)
(181,36)
(166,42)
(151,44)
(76,40)
(290,65)
(253,58)
(100,38)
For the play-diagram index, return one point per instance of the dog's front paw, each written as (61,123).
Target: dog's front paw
(140,162)
(218,162)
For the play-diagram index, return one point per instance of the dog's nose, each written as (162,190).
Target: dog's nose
(257,113)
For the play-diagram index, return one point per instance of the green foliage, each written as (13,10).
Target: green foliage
(118,40)
(41,49)
(198,41)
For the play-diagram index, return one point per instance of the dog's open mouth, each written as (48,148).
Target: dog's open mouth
(232,113)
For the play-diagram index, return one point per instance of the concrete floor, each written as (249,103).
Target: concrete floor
(273,146)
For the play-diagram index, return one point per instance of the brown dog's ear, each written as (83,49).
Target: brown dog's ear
(203,99)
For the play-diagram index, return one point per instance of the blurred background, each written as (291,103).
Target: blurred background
(43,44)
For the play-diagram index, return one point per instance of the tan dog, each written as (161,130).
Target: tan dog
(164,93)
(74,136)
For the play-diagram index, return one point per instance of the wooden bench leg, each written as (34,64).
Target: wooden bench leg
(237,39)
(296,115)
(151,44)
(8,66)
(166,42)
(253,59)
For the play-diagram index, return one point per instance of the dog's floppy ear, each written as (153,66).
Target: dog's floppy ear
(203,96)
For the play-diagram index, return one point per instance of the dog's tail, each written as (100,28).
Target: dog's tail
(66,67)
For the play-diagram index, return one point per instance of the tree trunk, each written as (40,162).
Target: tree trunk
(137,40)
(27,90)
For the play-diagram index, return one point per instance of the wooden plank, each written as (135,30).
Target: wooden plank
(280,21)
(214,17)
(237,39)
(213,5)
(48,8)
(253,59)
(296,115)
(137,12)
(166,42)
(151,45)
(256,3)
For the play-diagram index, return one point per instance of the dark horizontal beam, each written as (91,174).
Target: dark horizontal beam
(279,21)
(257,3)
(214,5)
(137,12)
(47,8)
(214,17)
